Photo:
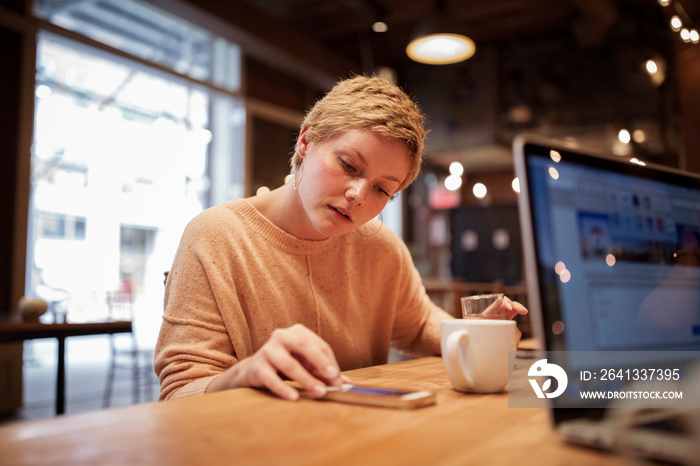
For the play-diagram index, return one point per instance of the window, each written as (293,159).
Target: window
(59,226)
(147,32)
(126,153)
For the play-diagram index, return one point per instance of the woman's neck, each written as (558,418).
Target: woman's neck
(283,208)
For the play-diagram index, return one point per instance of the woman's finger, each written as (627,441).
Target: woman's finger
(292,368)
(313,352)
(268,378)
(515,309)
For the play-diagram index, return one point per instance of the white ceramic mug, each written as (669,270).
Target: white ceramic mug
(475,353)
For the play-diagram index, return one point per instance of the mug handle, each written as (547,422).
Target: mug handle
(454,357)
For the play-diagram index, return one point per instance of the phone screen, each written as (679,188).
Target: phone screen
(382,397)
(373,391)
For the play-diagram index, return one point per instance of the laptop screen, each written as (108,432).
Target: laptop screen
(612,260)
(614,250)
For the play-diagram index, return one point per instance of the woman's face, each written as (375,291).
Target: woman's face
(347,180)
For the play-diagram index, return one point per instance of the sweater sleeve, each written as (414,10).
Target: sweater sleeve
(193,345)
(418,322)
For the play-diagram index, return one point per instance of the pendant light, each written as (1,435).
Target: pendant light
(436,42)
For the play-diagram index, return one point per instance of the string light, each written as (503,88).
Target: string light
(456,168)
(694,36)
(515,184)
(681,22)
(639,136)
(624,136)
(652,67)
(685,35)
(479,190)
(676,23)
(380,26)
(453,182)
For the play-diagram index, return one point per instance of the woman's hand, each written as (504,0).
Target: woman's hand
(513,308)
(509,309)
(505,308)
(295,353)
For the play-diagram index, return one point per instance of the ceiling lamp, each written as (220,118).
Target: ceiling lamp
(435,41)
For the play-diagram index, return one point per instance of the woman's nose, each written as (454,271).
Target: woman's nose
(357,191)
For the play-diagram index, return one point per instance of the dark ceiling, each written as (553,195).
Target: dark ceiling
(344,26)
(573,65)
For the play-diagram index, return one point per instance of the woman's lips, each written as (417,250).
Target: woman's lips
(342,214)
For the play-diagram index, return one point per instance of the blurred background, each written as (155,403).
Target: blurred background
(122,119)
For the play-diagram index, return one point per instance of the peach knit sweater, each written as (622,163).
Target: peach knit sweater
(237,277)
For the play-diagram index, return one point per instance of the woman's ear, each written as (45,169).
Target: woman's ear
(302,142)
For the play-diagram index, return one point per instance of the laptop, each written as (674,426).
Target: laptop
(612,262)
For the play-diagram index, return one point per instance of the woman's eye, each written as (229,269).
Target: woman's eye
(347,166)
(383,192)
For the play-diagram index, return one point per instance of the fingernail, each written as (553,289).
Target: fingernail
(331,372)
(319,390)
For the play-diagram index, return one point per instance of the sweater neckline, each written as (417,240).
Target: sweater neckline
(274,234)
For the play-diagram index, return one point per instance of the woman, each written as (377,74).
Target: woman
(302,282)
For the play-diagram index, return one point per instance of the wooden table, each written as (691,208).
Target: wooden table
(246,426)
(19,331)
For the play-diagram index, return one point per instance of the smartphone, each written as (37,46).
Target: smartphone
(381,397)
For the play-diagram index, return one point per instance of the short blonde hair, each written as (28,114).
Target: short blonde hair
(373,104)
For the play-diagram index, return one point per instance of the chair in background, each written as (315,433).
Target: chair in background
(125,351)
